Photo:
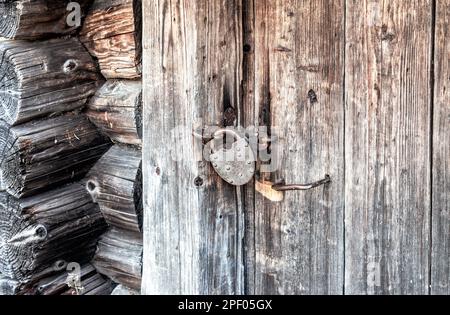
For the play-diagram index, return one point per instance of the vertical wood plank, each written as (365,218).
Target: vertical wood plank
(440,259)
(193,220)
(387,190)
(298,90)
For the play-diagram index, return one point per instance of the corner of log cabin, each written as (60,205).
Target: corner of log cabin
(92,201)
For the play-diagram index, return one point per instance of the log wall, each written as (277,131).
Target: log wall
(115,182)
(47,219)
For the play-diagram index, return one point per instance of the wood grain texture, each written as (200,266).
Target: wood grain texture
(45,153)
(116,109)
(298,243)
(440,259)
(387,152)
(34,19)
(38,231)
(115,184)
(112,33)
(119,256)
(44,78)
(192,224)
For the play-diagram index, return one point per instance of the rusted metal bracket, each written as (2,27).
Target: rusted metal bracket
(281,186)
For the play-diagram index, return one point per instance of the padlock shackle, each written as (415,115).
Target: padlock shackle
(224,131)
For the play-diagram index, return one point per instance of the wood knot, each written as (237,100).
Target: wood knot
(92,188)
(312,96)
(229,116)
(70,66)
(198,181)
(385,35)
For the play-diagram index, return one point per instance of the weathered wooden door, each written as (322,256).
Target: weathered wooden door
(351,91)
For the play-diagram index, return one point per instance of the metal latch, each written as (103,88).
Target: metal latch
(235,161)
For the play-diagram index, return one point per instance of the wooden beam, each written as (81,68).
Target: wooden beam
(387,152)
(116,109)
(440,266)
(46,153)
(298,95)
(44,78)
(36,232)
(25,19)
(119,256)
(115,184)
(192,75)
(117,46)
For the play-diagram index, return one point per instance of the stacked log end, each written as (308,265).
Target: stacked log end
(35,232)
(117,46)
(115,185)
(45,153)
(119,256)
(115,182)
(25,19)
(47,219)
(44,78)
(116,109)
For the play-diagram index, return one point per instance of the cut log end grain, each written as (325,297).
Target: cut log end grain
(116,109)
(117,46)
(25,19)
(115,183)
(119,256)
(40,79)
(36,232)
(43,154)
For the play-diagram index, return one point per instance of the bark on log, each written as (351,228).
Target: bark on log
(123,290)
(39,79)
(119,256)
(46,153)
(36,232)
(33,19)
(116,109)
(115,183)
(116,45)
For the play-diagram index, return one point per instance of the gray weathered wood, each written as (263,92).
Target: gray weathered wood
(42,154)
(35,232)
(299,61)
(44,78)
(119,256)
(115,184)
(192,74)
(117,46)
(9,286)
(33,19)
(387,151)
(440,259)
(116,109)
